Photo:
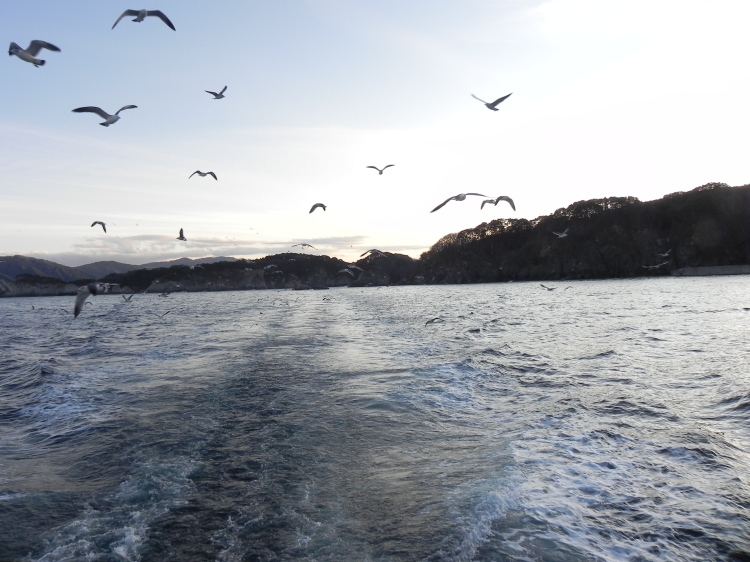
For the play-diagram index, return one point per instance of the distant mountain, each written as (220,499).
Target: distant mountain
(12,266)
(182,261)
(100,269)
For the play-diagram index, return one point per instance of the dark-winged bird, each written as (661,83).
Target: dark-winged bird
(494,104)
(29,53)
(140,15)
(459,197)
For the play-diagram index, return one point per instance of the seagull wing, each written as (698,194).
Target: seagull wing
(126,107)
(195,172)
(124,14)
(443,203)
(159,14)
(500,100)
(224,89)
(212,174)
(91,109)
(214,94)
(388,166)
(480,194)
(476,98)
(487,201)
(318,205)
(506,198)
(36,45)
(83,294)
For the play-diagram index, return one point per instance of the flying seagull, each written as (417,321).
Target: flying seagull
(215,95)
(108,119)
(374,252)
(497,200)
(380,171)
(182,236)
(438,319)
(86,291)
(130,298)
(318,205)
(494,104)
(140,15)
(304,244)
(562,234)
(29,54)
(665,254)
(459,197)
(104,226)
(548,288)
(203,174)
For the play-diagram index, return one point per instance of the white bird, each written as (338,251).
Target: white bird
(88,290)
(104,226)
(437,319)
(182,236)
(374,252)
(346,270)
(203,174)
(548,288)
(140,15)
(562,234)
(657,266)
(303,244)
(459,197)
(494,104)
(497,200)
(215,95)
(318,205)
(29,54)
(665,254)
(380,171)
(108,119)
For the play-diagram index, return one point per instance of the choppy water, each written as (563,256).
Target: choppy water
(605,421)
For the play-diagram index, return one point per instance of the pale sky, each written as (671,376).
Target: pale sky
(610,98)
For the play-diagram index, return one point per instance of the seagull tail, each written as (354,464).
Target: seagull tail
(40,62)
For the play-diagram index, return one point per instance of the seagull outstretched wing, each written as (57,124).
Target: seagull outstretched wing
(37,45)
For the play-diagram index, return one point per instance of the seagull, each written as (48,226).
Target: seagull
(496,201)
(86,291)
(316,206)
(108,119)
(182,236)
(215,95)
(665,254)
(562,234)
(160,315)
(494,104)
(203,174)
(346,270)
(657,266)
(374,252)
(548,288)
(128,299)
(140,15)
(29,54)
(104,226)
(380,171)
(459,197)
(438,319)
(304,244)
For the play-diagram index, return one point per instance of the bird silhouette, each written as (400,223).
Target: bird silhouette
(494,104)
(104,226)
(459,197)
(203,174)
(140,15)
(318,205)
(29,53)
(497,200)
(182,236)
(380,170)
(108,119)
(215,95)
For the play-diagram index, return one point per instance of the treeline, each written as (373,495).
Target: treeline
(596,239)
(603,238)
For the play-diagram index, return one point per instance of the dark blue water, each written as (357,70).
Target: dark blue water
(600,421)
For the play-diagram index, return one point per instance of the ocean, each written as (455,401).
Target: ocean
(601,420)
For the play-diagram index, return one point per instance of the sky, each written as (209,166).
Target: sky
(609,98)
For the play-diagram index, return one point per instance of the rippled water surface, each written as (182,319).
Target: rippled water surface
(603,420)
